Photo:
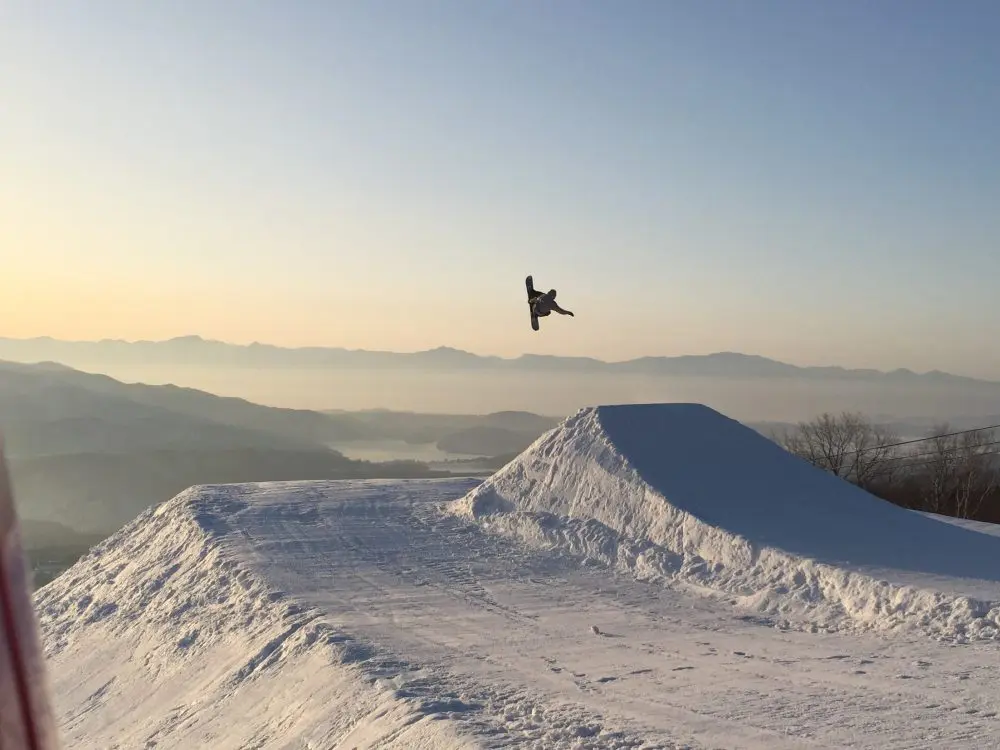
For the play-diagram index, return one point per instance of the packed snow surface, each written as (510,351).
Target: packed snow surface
(681,493)
(641,577)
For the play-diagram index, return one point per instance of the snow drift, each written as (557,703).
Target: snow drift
(682,493)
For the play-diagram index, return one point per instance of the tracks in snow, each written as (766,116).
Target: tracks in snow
(396,615)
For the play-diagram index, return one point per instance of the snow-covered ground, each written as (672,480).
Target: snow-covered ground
(680,493)
(741,599)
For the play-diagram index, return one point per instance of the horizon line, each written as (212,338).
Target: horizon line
(198,337)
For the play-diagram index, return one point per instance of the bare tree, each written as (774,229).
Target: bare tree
(959,471)
(946,473)
(848,446)
(823,442)
(978,474)
(938,464)
(873,459)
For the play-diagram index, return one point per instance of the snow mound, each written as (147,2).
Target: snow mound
(682,493)
(334,614)
(162,621)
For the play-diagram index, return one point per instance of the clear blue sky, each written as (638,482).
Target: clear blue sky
(813,181)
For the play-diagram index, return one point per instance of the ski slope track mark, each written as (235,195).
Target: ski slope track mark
(681,493)
(313,614)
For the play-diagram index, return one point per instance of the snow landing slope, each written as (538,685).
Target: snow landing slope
(681,493)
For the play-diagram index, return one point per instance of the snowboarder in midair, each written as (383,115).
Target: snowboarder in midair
(541,304)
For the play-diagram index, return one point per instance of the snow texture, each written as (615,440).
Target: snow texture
(681,493)
(630,581)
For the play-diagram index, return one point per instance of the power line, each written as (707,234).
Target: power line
(918,455)
(915,465)
(908,457)
(921,440)
(944,451)
(929,463)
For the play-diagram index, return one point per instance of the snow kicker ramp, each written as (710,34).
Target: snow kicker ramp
(342,615)
(681,493)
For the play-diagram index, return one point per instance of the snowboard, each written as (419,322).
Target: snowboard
(532,294)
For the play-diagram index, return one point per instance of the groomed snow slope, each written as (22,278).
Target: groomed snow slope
(306,615)
(679,492)
(364,615)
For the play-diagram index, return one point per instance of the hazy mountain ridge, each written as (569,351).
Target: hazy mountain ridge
(90,452)
(195,350)
(46,410)
(60,392)
(51,409)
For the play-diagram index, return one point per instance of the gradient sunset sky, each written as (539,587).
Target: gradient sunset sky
(817,182)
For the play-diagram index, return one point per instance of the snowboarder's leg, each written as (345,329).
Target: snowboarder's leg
(560,310)
(532,296)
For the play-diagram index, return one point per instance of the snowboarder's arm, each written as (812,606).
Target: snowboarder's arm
(559,309)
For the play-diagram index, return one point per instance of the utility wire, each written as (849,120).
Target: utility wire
(921,440)
(944,451)
(916,465)
(929,463)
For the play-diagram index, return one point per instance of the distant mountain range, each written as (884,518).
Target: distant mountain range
(89,452)
(52,409)
(194,350)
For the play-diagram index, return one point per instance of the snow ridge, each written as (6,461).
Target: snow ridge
(234,639)
(279,602)
(681,493)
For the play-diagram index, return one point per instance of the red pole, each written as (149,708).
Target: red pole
(26,719)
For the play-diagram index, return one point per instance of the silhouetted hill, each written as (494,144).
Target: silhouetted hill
(90,452)
(51,409)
